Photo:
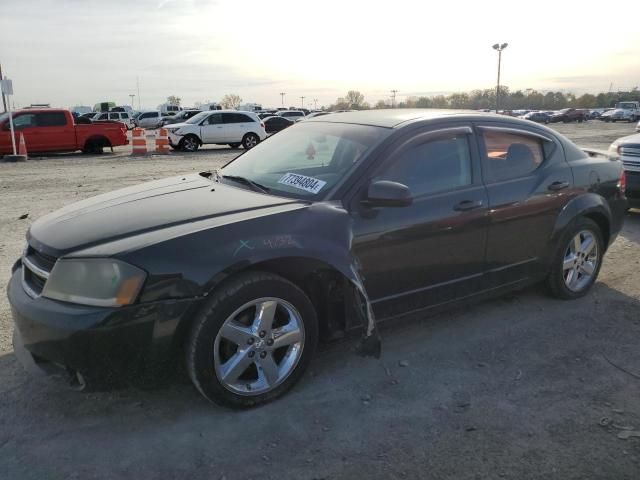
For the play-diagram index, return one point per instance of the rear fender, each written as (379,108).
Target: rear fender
(586,205)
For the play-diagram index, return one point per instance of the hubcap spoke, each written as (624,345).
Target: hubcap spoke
(235,333)
(287,335)
(270,370)
(576,244)
(587,268)
(235,366)
(569,262)
(265,312)
(587,245)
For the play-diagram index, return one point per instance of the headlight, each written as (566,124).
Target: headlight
(102,282)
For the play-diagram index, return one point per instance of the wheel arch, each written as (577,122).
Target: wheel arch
(327,286)
(100,140)
(591,206)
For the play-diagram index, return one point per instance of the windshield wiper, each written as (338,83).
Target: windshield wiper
(254,186)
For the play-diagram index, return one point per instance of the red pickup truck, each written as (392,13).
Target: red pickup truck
(53,130)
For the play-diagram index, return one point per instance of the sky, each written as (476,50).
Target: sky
(80,52)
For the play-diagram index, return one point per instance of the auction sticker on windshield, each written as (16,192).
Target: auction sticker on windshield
(309,184)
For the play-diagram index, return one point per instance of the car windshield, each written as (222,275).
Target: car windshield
(198,118)
(308,159)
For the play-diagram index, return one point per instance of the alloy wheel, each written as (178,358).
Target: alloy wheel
(258,346)
(189,144)
(250,141)
(580,261)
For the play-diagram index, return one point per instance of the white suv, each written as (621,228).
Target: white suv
(218,127)
(123,117)
(149,119)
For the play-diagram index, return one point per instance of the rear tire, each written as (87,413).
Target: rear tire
(575,269)
(250,140)
(94,147)
(232,352)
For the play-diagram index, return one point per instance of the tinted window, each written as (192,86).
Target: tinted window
(125,115)
(104,116)
(435,166)
(114,116)
(509,155)
(236,118)
(24,121)
(51,119)
(214,119)
(148,115)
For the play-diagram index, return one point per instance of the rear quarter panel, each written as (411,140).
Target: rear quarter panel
(115,132)
(596,181)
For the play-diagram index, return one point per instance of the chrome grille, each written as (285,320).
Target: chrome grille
(629,150)
(36,267)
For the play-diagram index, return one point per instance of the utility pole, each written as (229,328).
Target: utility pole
(302,100)
(315,103)
(499,48)
(393,98)
(132,95)
(138,85)
(4,100)
(282,94)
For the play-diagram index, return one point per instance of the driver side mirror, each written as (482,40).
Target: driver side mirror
(384,193)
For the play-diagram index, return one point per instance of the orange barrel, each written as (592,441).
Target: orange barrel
(138,141)
(162,141)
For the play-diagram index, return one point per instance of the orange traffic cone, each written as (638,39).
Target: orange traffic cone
(22,149)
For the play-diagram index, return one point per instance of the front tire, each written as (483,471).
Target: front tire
(234,145)
(252,341)
(250,140)
(190,143)
(577,260)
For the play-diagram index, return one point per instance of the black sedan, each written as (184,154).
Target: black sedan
(240,272)
(538,117)
(276,123)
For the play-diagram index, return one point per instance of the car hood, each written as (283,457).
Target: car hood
(180,124)
(629,140)
(144,208)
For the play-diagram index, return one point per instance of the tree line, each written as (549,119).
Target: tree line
(486,99)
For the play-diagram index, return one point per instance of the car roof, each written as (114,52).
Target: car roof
(392,118)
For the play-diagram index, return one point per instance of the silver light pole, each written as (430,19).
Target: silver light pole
(499,47)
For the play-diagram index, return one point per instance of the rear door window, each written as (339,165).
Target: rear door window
(114,116)
(236,118)
(51,119)
(506,156)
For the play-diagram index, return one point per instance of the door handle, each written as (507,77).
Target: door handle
(555,186)
(466,205)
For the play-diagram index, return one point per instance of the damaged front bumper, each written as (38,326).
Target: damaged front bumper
(103,343)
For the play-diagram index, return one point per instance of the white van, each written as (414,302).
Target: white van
(169,109)
(123,117)
(210,106)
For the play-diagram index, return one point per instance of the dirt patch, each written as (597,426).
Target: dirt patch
(512,388)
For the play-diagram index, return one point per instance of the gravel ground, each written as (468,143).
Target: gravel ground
(519,387)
